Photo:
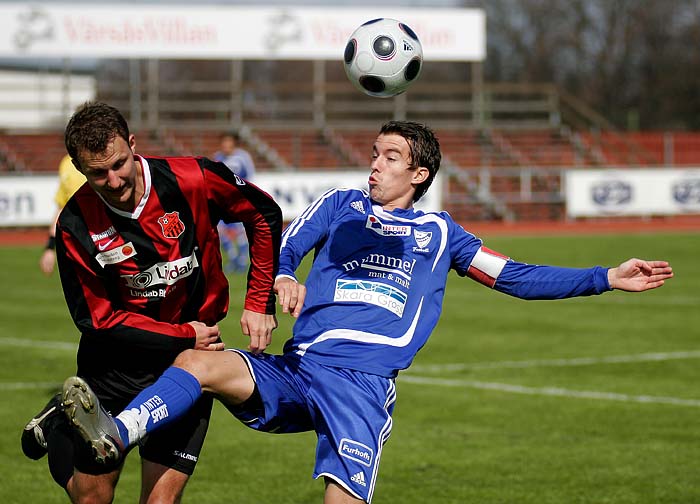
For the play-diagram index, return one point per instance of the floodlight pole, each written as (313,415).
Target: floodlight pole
(135,93)
(152,94)
(236,104)
(477,74)
(319,93)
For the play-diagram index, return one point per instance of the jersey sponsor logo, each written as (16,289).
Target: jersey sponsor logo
(116,255)
(104,239)
(153,293)
(380,228)
(171,225)
(374,293)
(396,269)
(108,233)
(358,205)
(163,273)
(356,451)
(239,180)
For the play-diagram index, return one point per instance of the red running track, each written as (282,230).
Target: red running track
(686,223)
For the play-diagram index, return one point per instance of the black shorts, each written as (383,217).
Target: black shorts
(176,446)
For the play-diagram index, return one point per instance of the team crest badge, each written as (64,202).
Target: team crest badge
(171,225)
(422,237)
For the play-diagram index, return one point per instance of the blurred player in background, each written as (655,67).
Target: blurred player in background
(233,235)
(140,264)
(374,296)
(69,180)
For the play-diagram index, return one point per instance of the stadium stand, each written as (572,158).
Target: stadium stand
(32,152)
(504,163)
(304,149)
(685,148)
(626,149)
(509,175)
(206,143)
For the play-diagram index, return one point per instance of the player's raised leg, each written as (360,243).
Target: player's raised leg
(224,374)
(95,425)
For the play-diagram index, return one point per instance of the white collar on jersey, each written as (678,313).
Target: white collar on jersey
(146,192)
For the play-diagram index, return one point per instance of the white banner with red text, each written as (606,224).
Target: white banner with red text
(35,29)
(28,200)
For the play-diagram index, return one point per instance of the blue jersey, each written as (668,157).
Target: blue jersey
(375,290)
(239,162)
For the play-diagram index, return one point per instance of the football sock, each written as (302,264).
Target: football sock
(170,397)
(61,453)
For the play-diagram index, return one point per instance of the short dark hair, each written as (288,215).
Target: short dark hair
(92,127)
(231,134)
(424,148)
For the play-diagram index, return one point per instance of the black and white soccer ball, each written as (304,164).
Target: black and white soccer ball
(383,57)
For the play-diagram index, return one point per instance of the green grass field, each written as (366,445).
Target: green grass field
(593,400)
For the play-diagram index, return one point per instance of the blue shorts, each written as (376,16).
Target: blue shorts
(350,411)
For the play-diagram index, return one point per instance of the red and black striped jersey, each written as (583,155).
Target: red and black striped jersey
(132,281)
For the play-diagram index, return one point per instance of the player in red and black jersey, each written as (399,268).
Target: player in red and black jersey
(140,264)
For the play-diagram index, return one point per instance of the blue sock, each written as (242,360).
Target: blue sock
(170,397)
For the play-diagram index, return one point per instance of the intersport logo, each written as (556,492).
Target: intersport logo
(379,227)
(163,273)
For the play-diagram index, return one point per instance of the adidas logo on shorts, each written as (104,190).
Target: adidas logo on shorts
(359,478)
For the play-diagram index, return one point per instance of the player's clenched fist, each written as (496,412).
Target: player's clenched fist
(291,295)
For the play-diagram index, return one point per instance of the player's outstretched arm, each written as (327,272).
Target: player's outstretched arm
(637,275)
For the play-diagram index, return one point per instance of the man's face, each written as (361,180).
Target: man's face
(391,179)
(113,173)
(228,145)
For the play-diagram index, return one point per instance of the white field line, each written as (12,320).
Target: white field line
(29,385)
(53,345)
(29,343)
(550,391)
(619,298)
(577,361)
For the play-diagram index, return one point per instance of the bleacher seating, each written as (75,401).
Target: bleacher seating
(626,149)
(206,143)
(303,149)
(466,148)
(360,141)
(150,144)
(542,148)
(33,152)
(519,171)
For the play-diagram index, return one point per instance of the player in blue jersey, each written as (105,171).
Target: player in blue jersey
(234,240)
(372,298)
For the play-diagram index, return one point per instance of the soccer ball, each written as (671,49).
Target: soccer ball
(383,57)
